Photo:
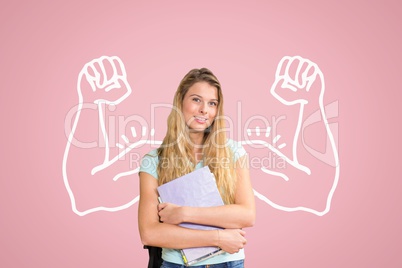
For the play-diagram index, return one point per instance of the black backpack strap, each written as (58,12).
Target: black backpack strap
(155,256)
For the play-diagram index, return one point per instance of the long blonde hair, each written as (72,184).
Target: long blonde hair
(176,157)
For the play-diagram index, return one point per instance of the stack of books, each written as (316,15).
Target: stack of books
(195,189)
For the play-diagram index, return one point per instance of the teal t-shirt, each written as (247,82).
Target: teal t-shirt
(149,165)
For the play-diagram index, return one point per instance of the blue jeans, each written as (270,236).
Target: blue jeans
(230,264)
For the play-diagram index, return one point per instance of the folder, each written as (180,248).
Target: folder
(195,189)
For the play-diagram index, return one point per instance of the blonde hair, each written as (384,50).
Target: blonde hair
(176,157)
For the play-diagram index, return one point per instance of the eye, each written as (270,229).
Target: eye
(196,99)
(213,103)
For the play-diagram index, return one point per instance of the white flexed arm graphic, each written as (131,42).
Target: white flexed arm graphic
(299,81)
(102,83)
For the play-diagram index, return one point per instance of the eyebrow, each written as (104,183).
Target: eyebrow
(202,97)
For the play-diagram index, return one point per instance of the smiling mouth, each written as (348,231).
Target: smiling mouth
(200,119)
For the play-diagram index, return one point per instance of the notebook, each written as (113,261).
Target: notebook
(195,189)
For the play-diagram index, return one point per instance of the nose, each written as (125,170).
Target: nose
(204,108)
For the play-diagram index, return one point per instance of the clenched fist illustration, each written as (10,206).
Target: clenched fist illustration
(103,80)
(297,81)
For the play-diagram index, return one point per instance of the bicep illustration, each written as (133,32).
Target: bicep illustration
(94,164)
(305,175)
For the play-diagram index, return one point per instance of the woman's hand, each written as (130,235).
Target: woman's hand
(170,213)
(231,240)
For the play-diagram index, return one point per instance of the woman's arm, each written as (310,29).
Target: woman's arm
(238,215)
(155,233)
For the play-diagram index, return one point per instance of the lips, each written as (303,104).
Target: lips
(200,119)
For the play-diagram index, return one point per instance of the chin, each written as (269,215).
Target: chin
(199,129)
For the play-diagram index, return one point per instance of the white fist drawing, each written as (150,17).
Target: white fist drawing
(103,80)
(294,80)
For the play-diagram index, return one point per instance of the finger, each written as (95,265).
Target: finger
(119,66)
(291,69)
(91,71)
(282,65)
(109,70)
(311,70)
(161,206)
(114,85)
(91,75)
(106,69)
(288,84)
(310,75)
(100,70)
(299,76)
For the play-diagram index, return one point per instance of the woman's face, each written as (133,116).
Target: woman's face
(200,106)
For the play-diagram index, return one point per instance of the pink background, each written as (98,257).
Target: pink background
(357,45)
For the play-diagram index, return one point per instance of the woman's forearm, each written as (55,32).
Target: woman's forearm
(176,237)
(228,216)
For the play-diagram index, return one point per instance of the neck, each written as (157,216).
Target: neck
(196,139)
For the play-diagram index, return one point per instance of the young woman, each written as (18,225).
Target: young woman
(195,138)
